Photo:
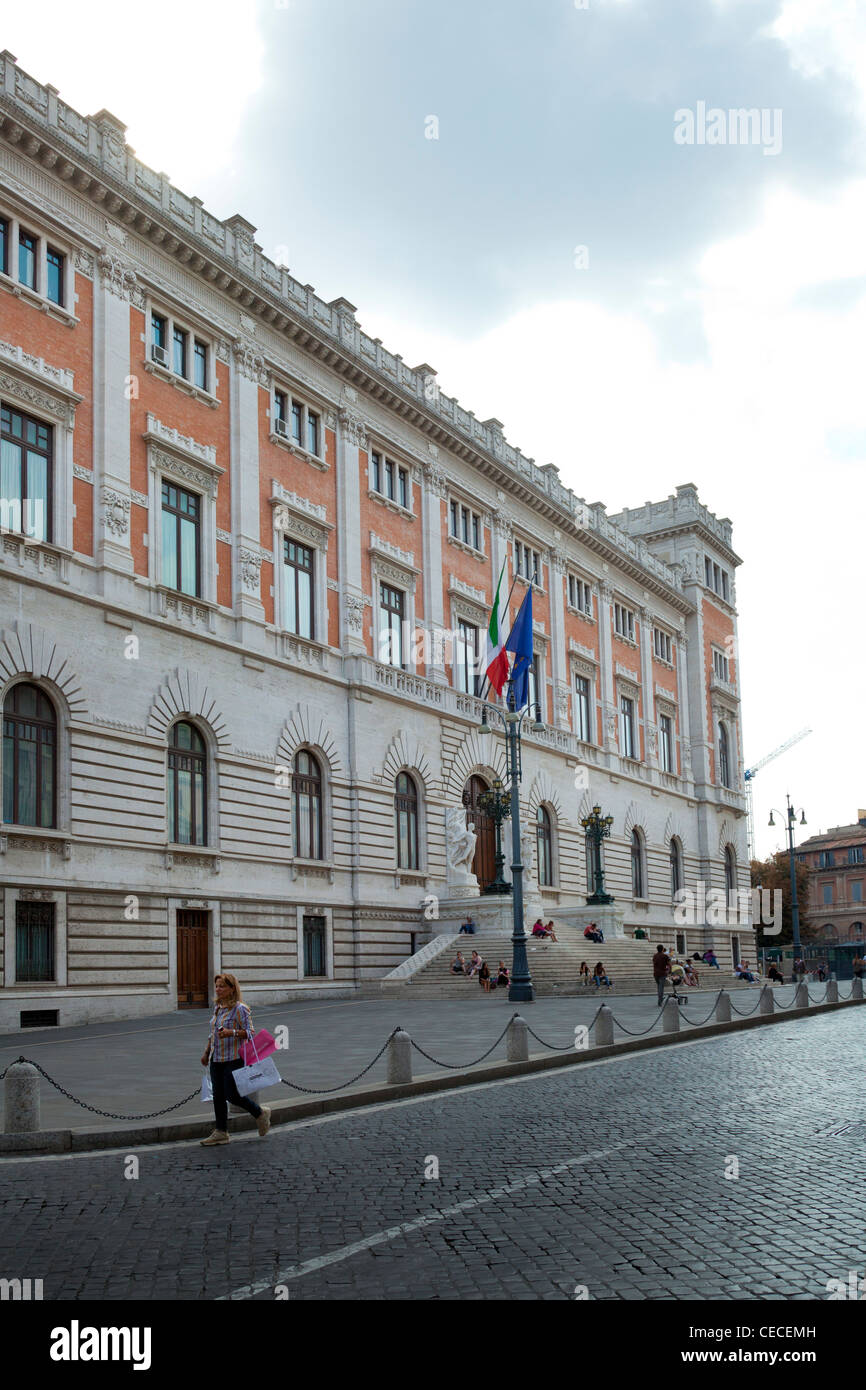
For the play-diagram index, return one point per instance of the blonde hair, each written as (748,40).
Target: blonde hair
(232,982)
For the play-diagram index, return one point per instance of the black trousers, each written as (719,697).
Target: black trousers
(225,1091)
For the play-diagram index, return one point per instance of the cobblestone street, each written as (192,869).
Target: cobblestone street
(611,1176)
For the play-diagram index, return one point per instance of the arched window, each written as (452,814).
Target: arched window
(187,786)
(730,870)
(29,758)
(676,866)
(638,883)
(544,846)
(307,806)
(406,814)
(724,757)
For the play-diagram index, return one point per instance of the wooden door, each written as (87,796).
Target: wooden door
(484,863)
(192,973)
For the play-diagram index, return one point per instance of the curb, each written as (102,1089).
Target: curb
(89,1141)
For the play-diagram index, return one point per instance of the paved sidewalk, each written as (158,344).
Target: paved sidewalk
(138,1066)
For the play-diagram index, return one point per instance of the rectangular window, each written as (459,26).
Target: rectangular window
(724,586)
(666,743)
(200,364)
(391,609)
(34,942)
(720,665)
(535,692)
(579,595)
(476,532)
(626,730)
(179,355)
(518,558)
(27,259)
(623,622)
(4,246)
(314,946)
(25,475)
(855,855)
(708,571)
(158,328)
(298,571)
(296,421)
(662,645)
(54,271)
(376,472)
(826,859)
(464,524)
(312,433)
(403,488)
(857,891)
(466,658)
(581,708)
(454,512)
(180,540)
(827,894)
(280,406)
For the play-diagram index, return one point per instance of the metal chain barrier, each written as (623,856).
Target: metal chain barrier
(746,1013)
(329,1090)
(457,1066)
(631,1033)
(555,1047)
(709,1015)
(94,1110)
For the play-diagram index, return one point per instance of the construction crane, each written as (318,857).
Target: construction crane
(756,767)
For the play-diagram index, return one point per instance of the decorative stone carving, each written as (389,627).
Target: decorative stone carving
(118,278)
(353,427)
(436,480)
(606,590)
(52,405)
(354,612)
(459,853)
(85,264)
(116,513)
(167,463)
(250,565)
(85,474)
(560,697)
(504,525)
(652,738)
(249,362)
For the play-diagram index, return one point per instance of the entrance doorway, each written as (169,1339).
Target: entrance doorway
(192,951)
(735,950)
(484,863)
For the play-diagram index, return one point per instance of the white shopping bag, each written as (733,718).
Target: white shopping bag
(257,1076)
(206,1087)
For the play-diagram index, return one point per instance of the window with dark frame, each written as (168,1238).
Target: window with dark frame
(637,873)
(730,870)
(26,481)
(4,246)
(312,433)
(627,734)
(406,814)
(581,708)
(29,758)
(187,785)
(297,411)
(391,608)
(403,488)
(724,757)
(280,406)
(181,540)
(299,563)
(579,595)
(35,946)
(315,960)
(307,807)
(158,330)
(467,677)
(666,742)
(533,689)
(27,259)
(676,867)
(199,354)
(180,341)
(544,844)
(55,263)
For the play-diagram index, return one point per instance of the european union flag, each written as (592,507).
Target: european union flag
(520,643)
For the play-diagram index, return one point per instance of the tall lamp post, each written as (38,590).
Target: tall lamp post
(790,817)
(597,828)
(496,804)
(520,989)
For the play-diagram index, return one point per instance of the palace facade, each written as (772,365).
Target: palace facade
(247,562)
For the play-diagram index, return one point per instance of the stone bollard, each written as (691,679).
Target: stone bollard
(22,1099)
(723,1008)
(603,1029)
(833,991)
(671,1017)
(399,1059)
(766,1002)
(856,989)
(801,998)
(517,1040)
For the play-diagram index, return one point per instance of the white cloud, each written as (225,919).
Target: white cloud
(178,73)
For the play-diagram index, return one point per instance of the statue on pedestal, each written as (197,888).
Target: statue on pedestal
(459,854)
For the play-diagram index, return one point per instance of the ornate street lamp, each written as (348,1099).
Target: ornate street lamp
(597,828)
(790,817)
(496,803)
(520,989)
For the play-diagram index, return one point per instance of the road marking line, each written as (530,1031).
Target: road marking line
(407,1227)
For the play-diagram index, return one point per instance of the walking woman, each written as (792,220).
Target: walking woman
(230,1027)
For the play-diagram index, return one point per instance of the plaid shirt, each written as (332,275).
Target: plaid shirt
(231,1016)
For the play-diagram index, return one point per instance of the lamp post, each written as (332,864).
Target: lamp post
(597,828)
(520,989)
(496,803)
(790,816)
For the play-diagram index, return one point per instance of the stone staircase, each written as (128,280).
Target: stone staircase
(554,967)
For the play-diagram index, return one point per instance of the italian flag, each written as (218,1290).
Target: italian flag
(497,658)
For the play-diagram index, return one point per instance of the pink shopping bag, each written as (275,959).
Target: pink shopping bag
(261,1045)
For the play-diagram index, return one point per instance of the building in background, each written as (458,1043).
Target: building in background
(836,860)
(247,562)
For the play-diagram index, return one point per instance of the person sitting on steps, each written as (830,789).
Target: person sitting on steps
(599,977)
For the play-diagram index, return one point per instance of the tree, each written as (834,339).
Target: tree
(774,874)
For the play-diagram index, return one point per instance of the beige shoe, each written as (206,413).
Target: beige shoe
(218,1136)
(264,1120)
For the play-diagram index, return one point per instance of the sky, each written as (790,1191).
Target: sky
(506,190)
